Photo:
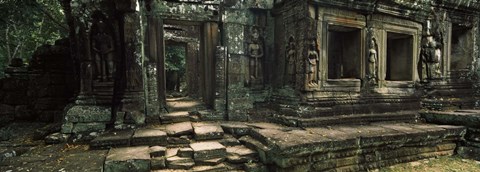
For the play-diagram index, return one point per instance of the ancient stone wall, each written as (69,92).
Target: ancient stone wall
(41,90)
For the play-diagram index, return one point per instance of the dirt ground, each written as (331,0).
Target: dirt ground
(31,155)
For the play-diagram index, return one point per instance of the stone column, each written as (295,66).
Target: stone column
(130,89)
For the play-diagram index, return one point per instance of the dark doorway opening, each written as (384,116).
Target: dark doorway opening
(461,48)
(175,69)
(399,57)
(344,52)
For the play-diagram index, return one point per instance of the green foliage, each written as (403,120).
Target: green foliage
(27,24)
(175,58)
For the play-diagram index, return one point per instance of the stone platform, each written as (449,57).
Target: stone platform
(470,147)
(352,148)
(239,146)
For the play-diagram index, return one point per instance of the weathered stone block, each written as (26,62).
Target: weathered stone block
(236,129)
(112,139)
(158,163)
(185,152)
(149,137)
(240,154)
(157,151)
(182,140)
(217,168)
(205,131)
(176,162)
(178,129)
(88,127)
(67,127)
(85,114)
(173,117)
(208,150)
(128,159)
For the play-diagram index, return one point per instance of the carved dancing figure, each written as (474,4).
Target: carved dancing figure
(312,61)
(102,45)
(291,64)
(255,51)
(372,60)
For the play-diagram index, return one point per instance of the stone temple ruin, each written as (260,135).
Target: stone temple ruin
(272,85)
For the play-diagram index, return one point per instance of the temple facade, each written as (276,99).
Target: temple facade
(294,59)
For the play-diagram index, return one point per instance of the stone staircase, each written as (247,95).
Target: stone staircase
(178,144)
(240,146)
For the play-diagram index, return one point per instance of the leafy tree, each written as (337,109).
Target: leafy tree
(175,58)
(27,24)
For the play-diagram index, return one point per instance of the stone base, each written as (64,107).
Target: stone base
(86,119)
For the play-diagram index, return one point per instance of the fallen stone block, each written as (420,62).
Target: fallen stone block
(208,150)
(149,137)
(206,131)
(241,154)
(236,129)
(176,162)
(178,129)
(157,151)
(181,116)
(185,152)
(216,168)
(210,162)
(109,139)
(128,159)
(229,140)
(158,163)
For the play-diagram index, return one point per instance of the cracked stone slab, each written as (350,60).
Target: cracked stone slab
(207,131)
(208,150)
(115,138)
(179,129)
(176,162)
(128,159)
(149,137)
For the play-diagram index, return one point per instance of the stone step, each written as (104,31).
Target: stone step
(352,147)
(176,162)
(241,154)
(174,117)
(208,150)
(402,116)
(128,159)
(207,131)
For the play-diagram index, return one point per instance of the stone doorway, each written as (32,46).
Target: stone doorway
(186,66)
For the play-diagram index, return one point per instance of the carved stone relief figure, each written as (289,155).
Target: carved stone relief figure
(103,48)
(431,55)
(291,61)
(255,51)
(312,62)
(372,61)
